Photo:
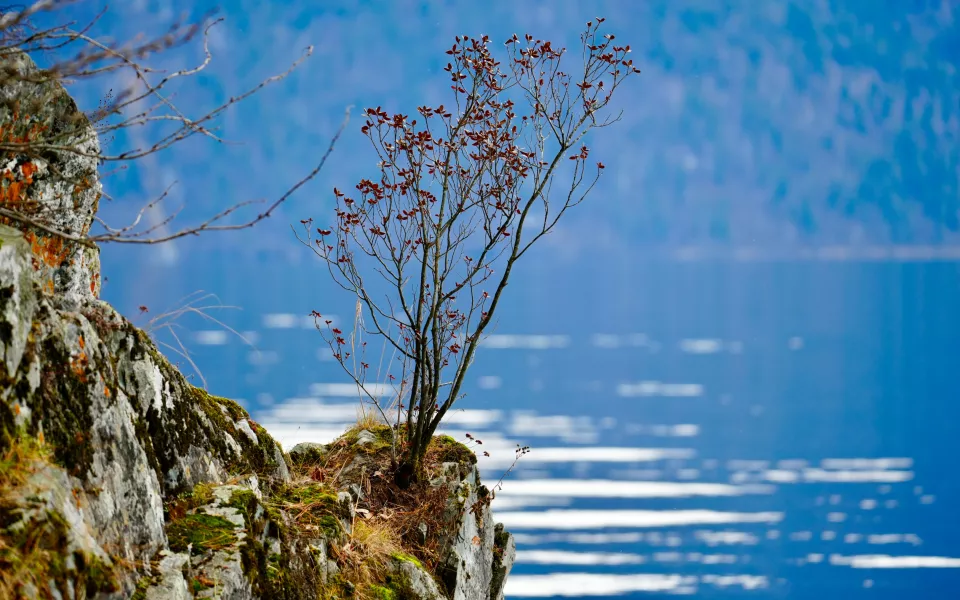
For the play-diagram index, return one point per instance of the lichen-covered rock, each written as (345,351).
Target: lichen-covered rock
(307,452)
(478,553)
(49,185)
(504,553)
(126,430)
(414,581)
(17,302)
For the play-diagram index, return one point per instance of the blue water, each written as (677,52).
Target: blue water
(755,375)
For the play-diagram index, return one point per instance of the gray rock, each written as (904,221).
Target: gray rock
(415,581)
(170,583)
(355,491)
(468,567)
(422,533)
(307,452)
(63,186)
(129,434)
(17,299)
(127,430)
(365,437)
(504,553)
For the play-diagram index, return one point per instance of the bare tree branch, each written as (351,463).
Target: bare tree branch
(144,102)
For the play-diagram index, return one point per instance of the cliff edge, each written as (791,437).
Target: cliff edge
(119,479)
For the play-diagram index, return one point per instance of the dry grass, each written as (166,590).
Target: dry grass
(198,303)
(364,559)
(367,419)
(26,558)
(24,456)
(388,518)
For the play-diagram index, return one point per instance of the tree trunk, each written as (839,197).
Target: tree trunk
(411,468)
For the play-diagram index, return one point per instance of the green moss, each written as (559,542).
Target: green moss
(450,450)
(383,593)
(316,507)
(100,577)
(382,438)
(201,494)
(331,526)
(464,491)
(270,573)
(204,532)
(274,575)
(61,405)
(243,500)
(407,558)
(143,584)
(310,493)
(268,446)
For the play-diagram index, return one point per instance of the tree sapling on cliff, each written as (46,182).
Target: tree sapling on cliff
(429,245)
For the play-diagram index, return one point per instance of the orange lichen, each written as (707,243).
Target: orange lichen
(79,365)
(52,250)
(15,190)
(9,135)
(27,169)
(83,185)
(12,189)
(48,251)
(106,388)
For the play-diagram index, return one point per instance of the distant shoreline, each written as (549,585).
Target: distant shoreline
(897,253)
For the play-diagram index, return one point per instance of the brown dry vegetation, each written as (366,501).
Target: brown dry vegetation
(388,518)
(32,556)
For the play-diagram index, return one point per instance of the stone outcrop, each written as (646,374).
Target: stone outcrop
(58,189)
(119,479)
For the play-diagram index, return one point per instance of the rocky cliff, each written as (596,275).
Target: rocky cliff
(119,479)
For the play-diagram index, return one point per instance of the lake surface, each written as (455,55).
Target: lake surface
(719,428)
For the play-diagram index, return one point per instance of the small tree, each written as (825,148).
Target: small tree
(461,196)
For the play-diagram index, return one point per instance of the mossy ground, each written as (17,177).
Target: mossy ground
(200,533)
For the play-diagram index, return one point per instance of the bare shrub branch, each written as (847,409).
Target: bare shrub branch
(199,304)
(429,245)
(145,102)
